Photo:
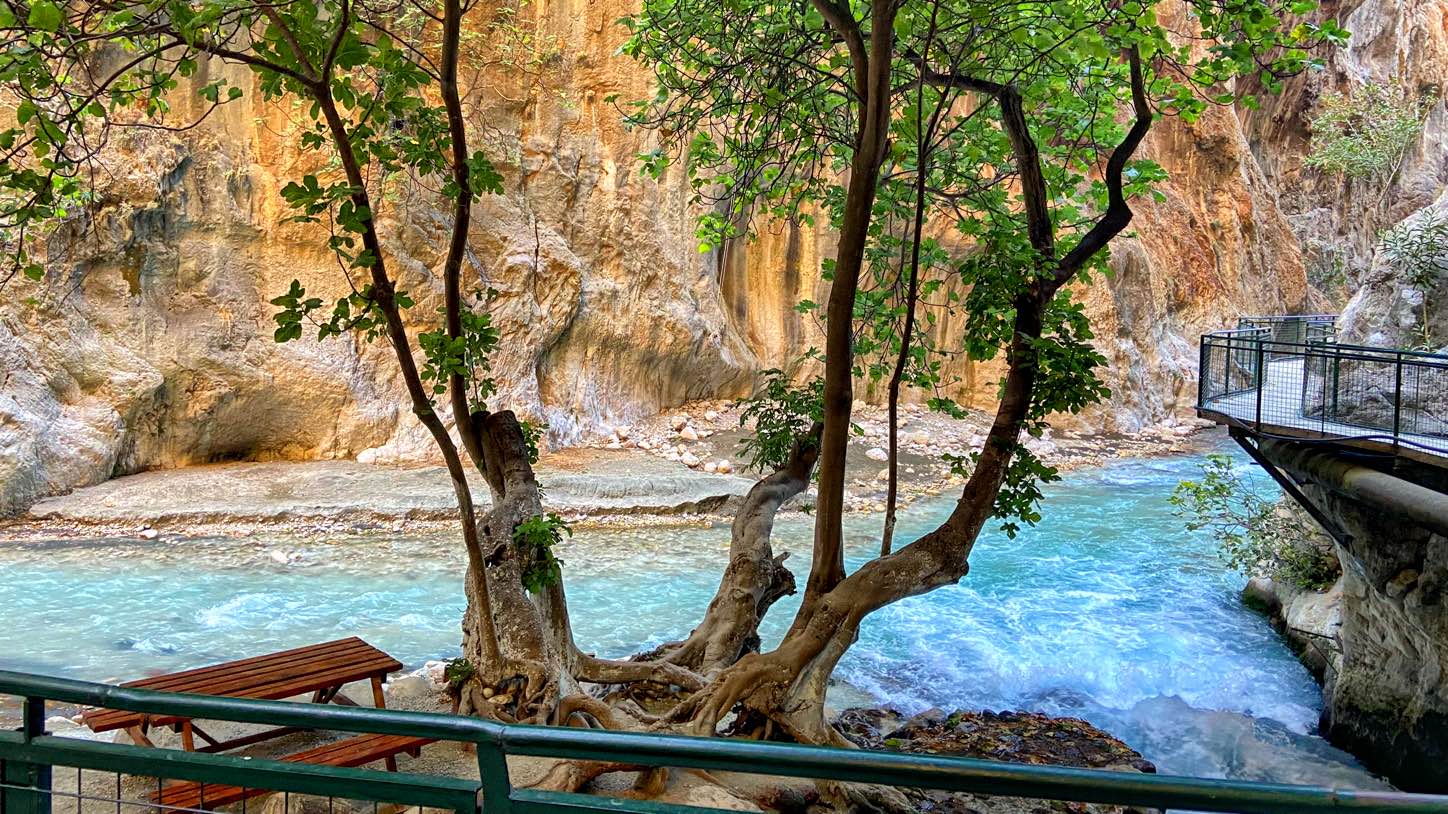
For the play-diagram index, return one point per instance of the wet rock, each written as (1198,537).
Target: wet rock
(865,726)
(920,722)
(1017,737)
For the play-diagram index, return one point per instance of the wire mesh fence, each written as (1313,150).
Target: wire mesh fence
(73,790)
(1292,330)
(1320,387)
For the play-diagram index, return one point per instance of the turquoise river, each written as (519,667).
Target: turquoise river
(1107,611)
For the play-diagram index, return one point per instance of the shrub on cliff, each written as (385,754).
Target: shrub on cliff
(1363,133)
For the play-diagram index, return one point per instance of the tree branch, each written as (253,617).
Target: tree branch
(1118,213)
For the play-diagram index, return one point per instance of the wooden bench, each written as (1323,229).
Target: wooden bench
(352,752)
(319,669)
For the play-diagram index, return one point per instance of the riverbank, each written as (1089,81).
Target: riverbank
(684,466)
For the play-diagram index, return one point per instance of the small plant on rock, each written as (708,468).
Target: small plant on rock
(458,672)
(1258,537)
(536,537)
(1417,249)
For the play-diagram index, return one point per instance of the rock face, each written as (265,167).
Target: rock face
(1380,639)
(151,347)
(1337,219)
(1388,702)
(1311,621)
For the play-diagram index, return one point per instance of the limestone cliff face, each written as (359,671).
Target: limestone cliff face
(1385,700)
(1338,220)
(152,345)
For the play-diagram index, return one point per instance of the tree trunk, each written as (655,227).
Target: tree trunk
(754,579)
(872,75)
(788,685)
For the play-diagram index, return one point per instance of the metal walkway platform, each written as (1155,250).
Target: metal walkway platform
(1309,387)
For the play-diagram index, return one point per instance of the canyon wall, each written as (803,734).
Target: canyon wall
(150,346)
(1337,219)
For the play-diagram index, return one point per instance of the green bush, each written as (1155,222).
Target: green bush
(1364,132)
(782,414)
(1417,249)
(536,538)
(1257,537)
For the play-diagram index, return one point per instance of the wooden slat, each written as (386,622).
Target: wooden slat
(191,680)
(233,671)
(297,671)
(273,676)
(159,682)
(352,752)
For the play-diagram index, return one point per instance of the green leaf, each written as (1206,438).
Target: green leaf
(45,16)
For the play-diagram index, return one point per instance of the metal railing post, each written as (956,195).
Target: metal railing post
(36,776)
(1202,371)
(497,788)
(1227,362)
(1261,381)
(1397,402)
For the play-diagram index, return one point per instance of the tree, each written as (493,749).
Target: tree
(811,108)
(998,119)
(379,86)
(1363,133)
(1417,249)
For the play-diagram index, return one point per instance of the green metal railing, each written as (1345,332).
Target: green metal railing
(30,759)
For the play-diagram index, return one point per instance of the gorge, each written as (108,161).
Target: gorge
(145,347)
(155,351)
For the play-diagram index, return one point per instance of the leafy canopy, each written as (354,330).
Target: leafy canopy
(759,103)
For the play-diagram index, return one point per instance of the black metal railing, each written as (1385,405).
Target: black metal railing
(1320,387)
(1294,328)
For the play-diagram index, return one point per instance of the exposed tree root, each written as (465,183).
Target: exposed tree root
(606,671)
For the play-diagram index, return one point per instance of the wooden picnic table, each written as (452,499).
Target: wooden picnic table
(319,669)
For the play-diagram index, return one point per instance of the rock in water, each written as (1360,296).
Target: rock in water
(1017,737)
(877,454)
